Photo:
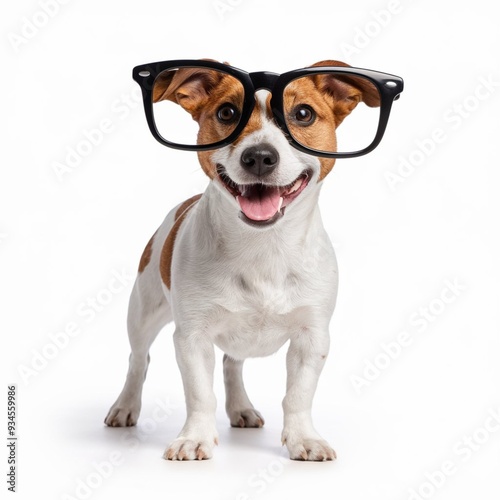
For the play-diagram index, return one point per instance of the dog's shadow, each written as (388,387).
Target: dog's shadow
(152,435)
(264,439)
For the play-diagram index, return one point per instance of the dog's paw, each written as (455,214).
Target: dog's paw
(314,450)
(122,415)
(246,418)
(190,449)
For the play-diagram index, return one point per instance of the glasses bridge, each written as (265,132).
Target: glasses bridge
(264,80)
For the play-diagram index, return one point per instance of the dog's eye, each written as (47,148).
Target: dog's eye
(227,114)
(304,114)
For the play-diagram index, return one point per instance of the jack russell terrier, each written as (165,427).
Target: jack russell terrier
(247,265)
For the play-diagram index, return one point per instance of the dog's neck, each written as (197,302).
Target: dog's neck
(217,213)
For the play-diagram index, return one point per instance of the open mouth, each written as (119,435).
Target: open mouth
(263,204)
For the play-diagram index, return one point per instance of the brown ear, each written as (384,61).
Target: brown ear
(347,90)
(188,87)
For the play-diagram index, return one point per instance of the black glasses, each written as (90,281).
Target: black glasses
(199,105)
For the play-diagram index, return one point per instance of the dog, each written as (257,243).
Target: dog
(246,266)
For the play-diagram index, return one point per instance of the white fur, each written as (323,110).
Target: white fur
(247,290)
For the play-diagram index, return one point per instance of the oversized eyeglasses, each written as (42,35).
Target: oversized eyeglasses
(199,105)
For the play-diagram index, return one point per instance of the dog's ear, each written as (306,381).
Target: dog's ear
(188,87)
(347,90)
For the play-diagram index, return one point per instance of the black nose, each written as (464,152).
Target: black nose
(260,160)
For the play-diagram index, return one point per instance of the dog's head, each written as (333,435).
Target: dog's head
(260,171)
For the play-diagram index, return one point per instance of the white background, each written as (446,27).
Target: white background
(63,237)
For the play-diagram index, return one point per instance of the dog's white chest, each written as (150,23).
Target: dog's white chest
(243,335)
(256,317)
(258,314)
(251,295)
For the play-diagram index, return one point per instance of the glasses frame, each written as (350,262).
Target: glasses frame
(389,87)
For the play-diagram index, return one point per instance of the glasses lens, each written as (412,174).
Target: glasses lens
(196,105)
(332,112)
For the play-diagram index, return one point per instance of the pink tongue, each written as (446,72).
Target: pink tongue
(260,204)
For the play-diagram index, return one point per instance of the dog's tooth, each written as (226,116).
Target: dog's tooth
(280,203)
(297,185)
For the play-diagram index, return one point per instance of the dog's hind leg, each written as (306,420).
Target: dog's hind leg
(148,312)
(239,409)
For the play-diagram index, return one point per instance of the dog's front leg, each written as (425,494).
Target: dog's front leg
(196,360)
(305,359)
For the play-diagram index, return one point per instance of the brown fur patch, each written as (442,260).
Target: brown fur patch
(146,255)
(321,134)
(201,92)
(333,98)
(168,247)
(254,123)
(186,204)
(326,165)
